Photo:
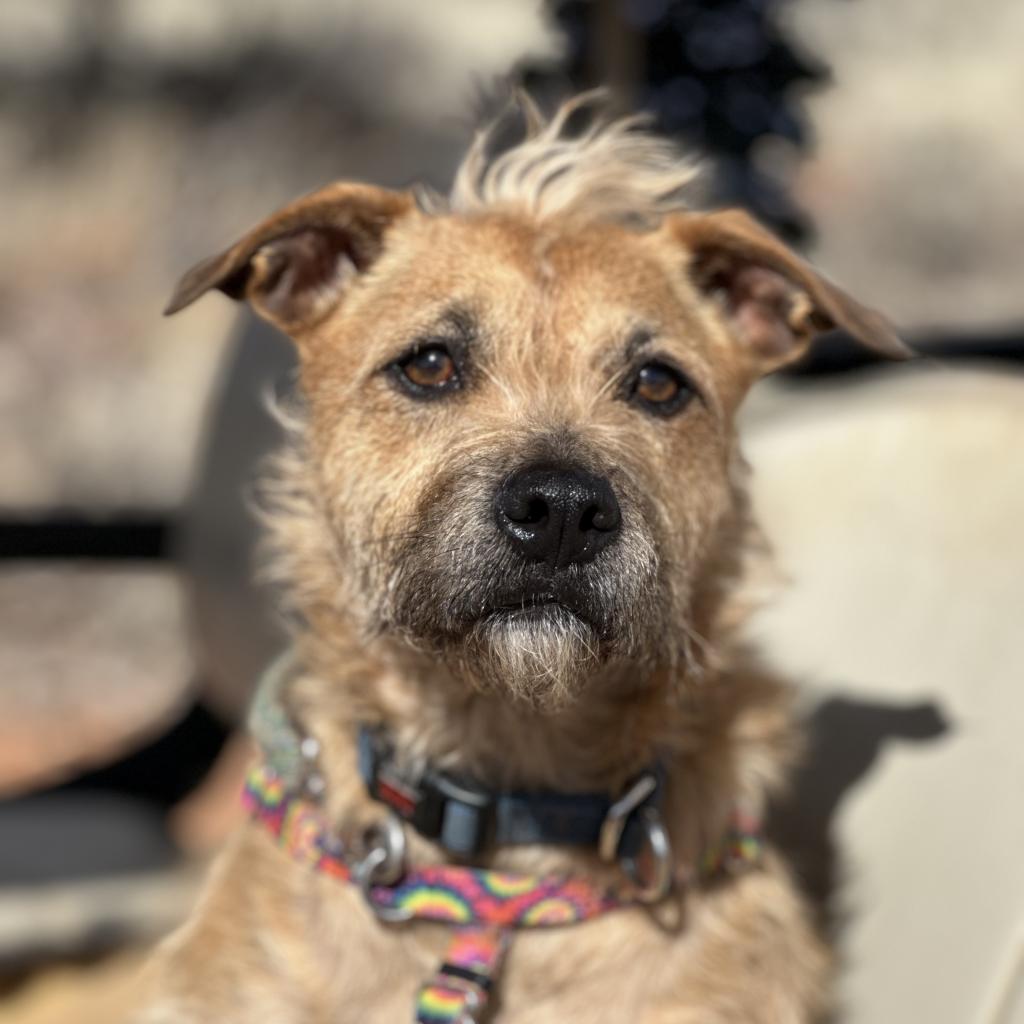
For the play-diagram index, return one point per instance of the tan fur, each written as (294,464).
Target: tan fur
(379,520)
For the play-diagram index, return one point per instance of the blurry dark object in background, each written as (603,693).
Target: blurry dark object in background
(717,74)
(837,353)
(133,537)
(233,623)
(112,819)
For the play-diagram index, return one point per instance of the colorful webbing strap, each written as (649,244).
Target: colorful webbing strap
(297,824)
(459,989)
(471,896)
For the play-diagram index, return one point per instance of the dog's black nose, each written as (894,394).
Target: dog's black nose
(558,515)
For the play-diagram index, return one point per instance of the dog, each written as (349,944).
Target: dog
(511,528)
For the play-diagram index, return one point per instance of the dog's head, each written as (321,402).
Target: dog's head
(520,401)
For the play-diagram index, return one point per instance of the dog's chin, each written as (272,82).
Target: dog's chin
(542,654)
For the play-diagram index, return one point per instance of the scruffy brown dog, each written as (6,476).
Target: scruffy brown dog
(512,523)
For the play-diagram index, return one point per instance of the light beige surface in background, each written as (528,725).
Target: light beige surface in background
(896,507)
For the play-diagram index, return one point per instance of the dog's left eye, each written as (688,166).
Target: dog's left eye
(431,368)
(661,389)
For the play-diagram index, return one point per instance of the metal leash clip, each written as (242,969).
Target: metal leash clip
(649,866)
(382,864)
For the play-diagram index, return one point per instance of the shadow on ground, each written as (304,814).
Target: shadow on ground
(846,737)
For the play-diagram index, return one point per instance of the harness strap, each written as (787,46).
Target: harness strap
(443,893)
(483,905)
(460,988)
(473,896)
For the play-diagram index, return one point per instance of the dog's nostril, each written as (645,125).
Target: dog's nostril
(600,517)
(523,509)
(535,514)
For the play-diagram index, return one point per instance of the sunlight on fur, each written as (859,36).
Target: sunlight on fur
(613,170)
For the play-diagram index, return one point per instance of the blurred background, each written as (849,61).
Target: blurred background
(883,137)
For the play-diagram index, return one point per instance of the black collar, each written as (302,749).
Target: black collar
(466,818)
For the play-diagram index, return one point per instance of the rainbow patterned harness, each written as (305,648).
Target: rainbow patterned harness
(485,906)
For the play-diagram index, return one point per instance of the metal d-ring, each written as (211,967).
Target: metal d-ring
(619,813)
(659,884)
(632,809)
(382,864)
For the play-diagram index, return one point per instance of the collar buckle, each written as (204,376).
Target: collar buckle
(455,814)
(460,817)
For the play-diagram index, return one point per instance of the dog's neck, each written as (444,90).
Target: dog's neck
(723,741)
(718,725)
(620,722)
(606,734)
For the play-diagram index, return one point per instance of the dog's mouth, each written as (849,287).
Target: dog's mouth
(537,643)
(530,631)
(539,606)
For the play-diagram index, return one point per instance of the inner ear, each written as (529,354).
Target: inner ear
(771,316)
(298,277)
(773,302)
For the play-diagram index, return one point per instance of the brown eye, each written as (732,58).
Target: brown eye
(428,369)
(661,389)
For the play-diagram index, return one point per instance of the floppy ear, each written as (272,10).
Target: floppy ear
(294,266)
(774,303)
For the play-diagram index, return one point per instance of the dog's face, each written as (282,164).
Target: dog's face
(521,426)
(526,453)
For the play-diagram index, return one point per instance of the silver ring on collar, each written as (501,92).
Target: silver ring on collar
(382,864)
(650,870)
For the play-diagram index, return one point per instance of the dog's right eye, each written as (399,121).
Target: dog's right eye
(660,389)
(428,370)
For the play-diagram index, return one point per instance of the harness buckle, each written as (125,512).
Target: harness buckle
(466,992)
(646,854)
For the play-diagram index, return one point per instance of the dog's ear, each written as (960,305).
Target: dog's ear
(294,266)
(774,303)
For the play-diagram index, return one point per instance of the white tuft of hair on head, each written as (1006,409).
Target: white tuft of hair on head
(614,170)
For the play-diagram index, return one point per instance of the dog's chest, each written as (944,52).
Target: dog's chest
(614,967)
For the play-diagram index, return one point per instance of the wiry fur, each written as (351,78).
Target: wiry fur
(555,269)
(612,170)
